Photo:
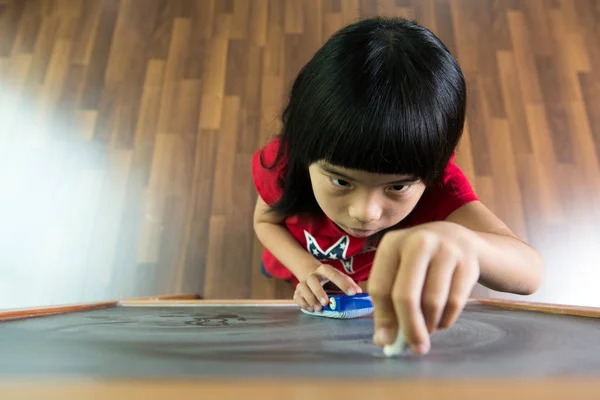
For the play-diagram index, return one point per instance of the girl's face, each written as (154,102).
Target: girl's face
(363,203)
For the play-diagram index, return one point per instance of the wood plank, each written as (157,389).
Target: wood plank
(9,22)
(192,276)
(174,73)
(208,302)
(524,59)
(6,315)
(513,101)
(54,310)
(563,309)
(495,389)
(555,112)
(259,11)
(28,29)
(211,112)
(85,36)
(508,200)
(99,56)
(593,312)
(294,17)
(41,55)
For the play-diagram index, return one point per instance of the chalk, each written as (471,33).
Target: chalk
(399,346)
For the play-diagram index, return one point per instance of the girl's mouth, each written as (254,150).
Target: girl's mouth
(362,233)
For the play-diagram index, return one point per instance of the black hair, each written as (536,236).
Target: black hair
(382,95)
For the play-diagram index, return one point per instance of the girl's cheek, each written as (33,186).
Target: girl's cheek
(401,210)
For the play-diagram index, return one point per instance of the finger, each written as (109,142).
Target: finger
(437,286)
(364,285)
(418,251)
(339,279)
(309,297)
(464,278)
(380,284)
(301,302)
(317,289)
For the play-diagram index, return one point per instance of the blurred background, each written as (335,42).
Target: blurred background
(127,129)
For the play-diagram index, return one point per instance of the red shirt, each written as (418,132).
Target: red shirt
(327,242)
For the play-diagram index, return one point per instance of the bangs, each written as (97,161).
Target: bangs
(385,137)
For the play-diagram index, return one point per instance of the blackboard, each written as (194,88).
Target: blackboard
(270,341)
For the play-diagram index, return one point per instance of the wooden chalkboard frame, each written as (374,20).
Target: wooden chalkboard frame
(61,309)
(191,298)
(587,387)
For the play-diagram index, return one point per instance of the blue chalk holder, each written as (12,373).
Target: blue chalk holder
(345,307)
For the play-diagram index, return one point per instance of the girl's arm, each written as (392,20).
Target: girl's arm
(506,263)
(310,273)
(422,276)
(272,233)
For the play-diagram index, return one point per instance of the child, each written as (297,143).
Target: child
(361,184)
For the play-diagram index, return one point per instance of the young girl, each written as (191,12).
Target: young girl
(361,185)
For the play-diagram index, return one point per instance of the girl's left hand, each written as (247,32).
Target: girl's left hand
(421,280)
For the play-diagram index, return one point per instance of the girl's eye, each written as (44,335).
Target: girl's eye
(341,183)
(399,188)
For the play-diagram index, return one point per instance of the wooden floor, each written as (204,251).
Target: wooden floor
(127,128)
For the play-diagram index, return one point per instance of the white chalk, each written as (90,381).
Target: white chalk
(397,348)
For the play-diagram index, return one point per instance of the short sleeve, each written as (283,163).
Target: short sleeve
(266,179)
(454,192)
(440,201)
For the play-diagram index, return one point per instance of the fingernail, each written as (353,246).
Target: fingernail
(318,308)
(383,336)
(351,292)
(310,309)
(324,301)
(420,348)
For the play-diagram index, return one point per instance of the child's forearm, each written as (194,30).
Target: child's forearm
(508,265)
(280,242)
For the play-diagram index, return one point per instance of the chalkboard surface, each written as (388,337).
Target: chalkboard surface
(279,341)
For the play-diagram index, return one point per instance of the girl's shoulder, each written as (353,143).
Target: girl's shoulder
(454,183)
(440,200)
(267,173)
(269,151)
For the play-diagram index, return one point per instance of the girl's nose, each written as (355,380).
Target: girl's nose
(365,210)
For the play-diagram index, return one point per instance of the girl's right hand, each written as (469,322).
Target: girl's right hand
(310,294)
